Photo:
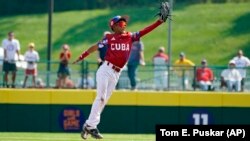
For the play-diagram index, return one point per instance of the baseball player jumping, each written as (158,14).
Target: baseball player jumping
(119,46)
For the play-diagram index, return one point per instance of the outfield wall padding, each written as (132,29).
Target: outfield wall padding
(38,110)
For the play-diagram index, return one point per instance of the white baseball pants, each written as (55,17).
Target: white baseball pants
(107,79)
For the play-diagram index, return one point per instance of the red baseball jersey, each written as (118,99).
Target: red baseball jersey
(119,47)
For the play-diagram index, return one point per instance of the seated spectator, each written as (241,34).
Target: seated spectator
(231,77)
(69,84)
(204,77)
(40,83)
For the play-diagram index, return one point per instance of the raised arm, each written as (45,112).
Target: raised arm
(93,48)
(150,28)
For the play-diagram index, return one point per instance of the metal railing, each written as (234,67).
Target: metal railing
(83,76)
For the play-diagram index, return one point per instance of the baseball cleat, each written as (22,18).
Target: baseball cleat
(84,134)
(94,132)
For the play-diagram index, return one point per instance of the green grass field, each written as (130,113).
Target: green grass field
(17,136)
(212,31)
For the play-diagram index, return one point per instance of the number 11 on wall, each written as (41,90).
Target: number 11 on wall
(200,118)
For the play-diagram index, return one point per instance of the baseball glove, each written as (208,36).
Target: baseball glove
(164,11)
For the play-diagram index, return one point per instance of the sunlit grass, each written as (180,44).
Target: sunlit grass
(24,136)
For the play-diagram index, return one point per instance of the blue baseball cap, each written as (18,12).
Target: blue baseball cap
(116,19)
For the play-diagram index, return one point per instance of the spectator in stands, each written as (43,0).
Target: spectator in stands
(204,76)
(231,77)
(241,63)
(31,57)
(63,70)
(102,51)
(40,83)
(160,61)
(68,84)
(136,58)
(183,67)
(84,82)
(11,47)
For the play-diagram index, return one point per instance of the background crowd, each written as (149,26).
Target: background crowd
(231,78)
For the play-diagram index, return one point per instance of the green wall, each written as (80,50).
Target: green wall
(126,112)
(115,119)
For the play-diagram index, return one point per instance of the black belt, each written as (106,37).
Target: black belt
(115,68)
